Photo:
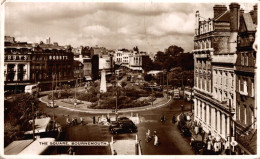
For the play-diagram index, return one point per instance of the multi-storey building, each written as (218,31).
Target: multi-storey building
(224,74)
(245,70)
(135,62)
(214,59)
(36,63)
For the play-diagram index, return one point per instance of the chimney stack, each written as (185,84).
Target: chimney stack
(234,16)
(219,9)
(241,11)
(197,20)
(255,14)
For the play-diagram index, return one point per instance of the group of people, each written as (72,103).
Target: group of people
(149,137)
(74,121)
(105,120)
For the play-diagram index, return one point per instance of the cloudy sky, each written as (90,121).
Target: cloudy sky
(150,26)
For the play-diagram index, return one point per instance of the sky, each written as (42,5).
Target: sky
(152,26)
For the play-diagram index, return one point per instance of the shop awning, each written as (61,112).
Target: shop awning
(40,125)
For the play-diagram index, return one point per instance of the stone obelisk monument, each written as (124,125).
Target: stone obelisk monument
(103,84)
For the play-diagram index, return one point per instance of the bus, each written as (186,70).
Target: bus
(32,89)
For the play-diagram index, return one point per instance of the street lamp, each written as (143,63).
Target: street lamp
(33,121)
(116,97)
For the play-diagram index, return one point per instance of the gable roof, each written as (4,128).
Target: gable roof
(249,22)
(225,17)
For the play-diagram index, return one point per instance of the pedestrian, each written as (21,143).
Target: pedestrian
(162,118)
(76,121)
(98,118)
(156,143)
(115,153)
(182,108)
(173,119)
(154,133)
(68,121)
(94,120)
(81,120)
(72,121)
(71,150)
(148,137)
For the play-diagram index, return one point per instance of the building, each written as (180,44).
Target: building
(222,71)
(245,70)
(214,79)
(78,72)
(98,51)
(27,63)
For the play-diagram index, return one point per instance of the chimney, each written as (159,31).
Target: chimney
(197,19)
(219,9)
(255,14)
(241,11)
(234,16)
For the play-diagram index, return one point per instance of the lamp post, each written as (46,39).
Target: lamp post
(33,121)
(116,97)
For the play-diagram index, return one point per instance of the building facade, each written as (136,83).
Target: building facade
(245,70)
(214,79)
(36,63)
(224,74)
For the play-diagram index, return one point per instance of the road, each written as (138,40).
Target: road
(171,141)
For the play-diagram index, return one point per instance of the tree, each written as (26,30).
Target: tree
(123,84)
(148,77)
(174,50)
(136,49)
(147,63)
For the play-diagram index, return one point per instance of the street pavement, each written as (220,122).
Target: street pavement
(170,139)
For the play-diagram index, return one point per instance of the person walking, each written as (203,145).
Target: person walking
(81,120)
(114,153)
(156,142)
(68,121)
(163,119)
(71,150)
(173,119)
(94,120)
(148,137)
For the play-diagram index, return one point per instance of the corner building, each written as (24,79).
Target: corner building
(214,78)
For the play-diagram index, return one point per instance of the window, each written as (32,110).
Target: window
(245,85)
(245,115)
(246,60)
(242,59)
(232,80)
(252,88)
(220,75)
(216,119)
(252,117)
(227,80)
(238,111)
(241,85)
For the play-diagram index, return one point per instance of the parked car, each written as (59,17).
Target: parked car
(124,127)
(123,119)
(52,105)
(197,146)
(120,121)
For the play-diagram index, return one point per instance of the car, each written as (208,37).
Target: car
(197,146)
(121,121)
(124,128)
(51,105)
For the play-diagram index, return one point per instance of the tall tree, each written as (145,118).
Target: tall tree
(174,50)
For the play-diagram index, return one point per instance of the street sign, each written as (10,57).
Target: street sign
(75,143)
(233,143)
